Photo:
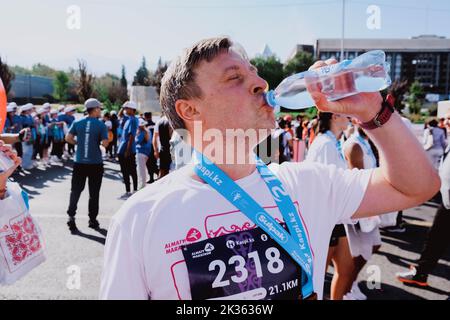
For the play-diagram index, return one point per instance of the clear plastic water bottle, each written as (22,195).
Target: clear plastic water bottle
(5,162)
(368,72)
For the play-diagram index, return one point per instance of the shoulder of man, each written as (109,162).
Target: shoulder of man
(145,202)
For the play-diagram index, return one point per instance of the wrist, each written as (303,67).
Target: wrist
(382,117)
(370,112)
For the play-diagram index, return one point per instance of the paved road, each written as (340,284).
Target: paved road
(68,254)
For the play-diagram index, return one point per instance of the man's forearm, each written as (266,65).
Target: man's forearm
(9,138)
(403,162)
(71,140)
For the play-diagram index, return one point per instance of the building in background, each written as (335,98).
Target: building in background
(146,98)
(29,88)
(424,58)
(302,48)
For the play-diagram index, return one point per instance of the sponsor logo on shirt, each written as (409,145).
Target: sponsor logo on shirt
(174,246)
(209,248)
(274,232)
(193,235)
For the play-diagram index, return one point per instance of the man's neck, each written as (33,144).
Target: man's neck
(233,171)
(239,168)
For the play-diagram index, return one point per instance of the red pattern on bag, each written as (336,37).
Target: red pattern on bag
(24,242)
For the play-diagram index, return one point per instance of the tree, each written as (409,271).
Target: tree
(43,70)
(7,76)
(157,76)
(108,89)
(415,97)
(142,75)
(85,86)
(299,63)
(270,69)
(123,79)
(61,85)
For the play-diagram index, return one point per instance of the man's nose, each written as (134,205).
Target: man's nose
(259,85)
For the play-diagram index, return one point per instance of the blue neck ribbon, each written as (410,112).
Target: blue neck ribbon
(294,242)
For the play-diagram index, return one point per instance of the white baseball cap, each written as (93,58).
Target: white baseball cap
(54,111)
(10,108)
(69,109)
(92,103)
(142,122)
(40,111)
(61,108)
(12,105)
(130,105)
(27,107)
(46,105)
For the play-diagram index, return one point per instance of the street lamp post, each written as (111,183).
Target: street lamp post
(343,30)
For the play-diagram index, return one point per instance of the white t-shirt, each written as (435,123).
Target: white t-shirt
(142,254)
(369,158)
(108,125)
(324,150)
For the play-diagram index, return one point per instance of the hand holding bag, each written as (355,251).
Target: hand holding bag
(21,243)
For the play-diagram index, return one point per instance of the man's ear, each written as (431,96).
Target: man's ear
(187,110)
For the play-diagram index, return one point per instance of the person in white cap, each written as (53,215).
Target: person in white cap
(87,133)
(127,148)
(9,121)
(56,136)
(13,125)
(143,150)
(67,116)
(42,139)
(27,147)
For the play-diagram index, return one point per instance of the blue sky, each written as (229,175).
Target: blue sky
(116,32)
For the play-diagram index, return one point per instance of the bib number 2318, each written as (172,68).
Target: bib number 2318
(246,265)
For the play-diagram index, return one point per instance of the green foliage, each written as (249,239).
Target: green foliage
(61,85)
(85,84)
(20,70)
(142,75)
(123,79)
(299,63)
(433,110)
(43,70)
(270,69)
(417,118)
(156,77)
(37,69)
(415,98)
(109,90)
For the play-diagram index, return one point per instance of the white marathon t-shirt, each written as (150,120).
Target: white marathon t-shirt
(324,150)
(143,257)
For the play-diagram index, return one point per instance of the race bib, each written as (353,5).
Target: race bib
(247,265)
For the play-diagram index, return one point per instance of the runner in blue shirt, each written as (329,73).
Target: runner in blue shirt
(90,132)
(127,148)
(143,151)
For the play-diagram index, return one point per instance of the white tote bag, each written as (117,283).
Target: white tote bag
(21,243)
(369,224)
(388,220)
